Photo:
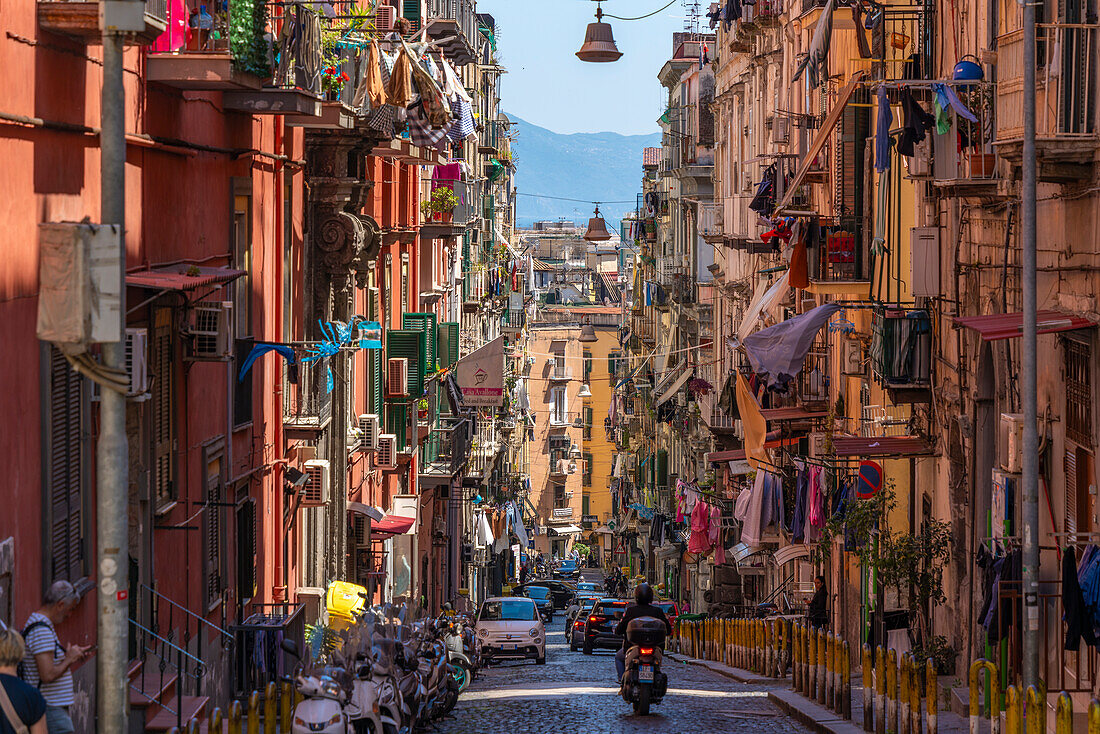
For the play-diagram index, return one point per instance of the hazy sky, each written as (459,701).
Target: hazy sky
(549,86)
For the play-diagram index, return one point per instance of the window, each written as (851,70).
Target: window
(66,465)
(163,408)
(587,476)
(559,496)
(404,282)
(585,505)
(246,550)
(213,572)
(242,300)
(612,363)
(587,365)
(1078,360)
(587,411)
(557,405)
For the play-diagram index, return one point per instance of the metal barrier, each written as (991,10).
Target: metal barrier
(994,708)
(272,711)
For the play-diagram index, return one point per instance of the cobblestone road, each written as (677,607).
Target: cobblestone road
(573,692)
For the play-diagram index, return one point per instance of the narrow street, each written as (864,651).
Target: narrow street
(575,692)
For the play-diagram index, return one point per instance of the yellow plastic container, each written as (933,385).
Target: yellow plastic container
(344,603)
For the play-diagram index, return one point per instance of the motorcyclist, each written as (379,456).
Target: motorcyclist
(643,607)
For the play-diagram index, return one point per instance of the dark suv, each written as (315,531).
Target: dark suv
(599,629)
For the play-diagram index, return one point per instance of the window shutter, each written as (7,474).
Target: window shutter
(661,468)
(1070,467)
(160,369)
(397,422)
(425,322)
(374,379)
(413,346)
(411,11)
(213,543)
(447,346)
(65,468)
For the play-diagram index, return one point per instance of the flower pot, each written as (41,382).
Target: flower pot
(422,414)
(448,216)
(982,165)
(437,216)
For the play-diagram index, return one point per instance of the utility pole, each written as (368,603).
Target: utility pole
(112,460)
(1030,396)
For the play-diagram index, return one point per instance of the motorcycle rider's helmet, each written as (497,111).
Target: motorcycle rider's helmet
(643,594)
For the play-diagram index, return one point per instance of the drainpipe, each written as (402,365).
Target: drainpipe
(280,565)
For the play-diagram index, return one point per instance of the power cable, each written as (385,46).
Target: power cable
(642,17)
(579,201)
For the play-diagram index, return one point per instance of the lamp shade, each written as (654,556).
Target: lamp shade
(597,229)
(599,43)
(588,334)
(585,391)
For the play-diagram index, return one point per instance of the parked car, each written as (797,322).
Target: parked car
(510,628)
(574,627)
(670,608)
(590,586)
(599,628)
(541,597)
(561,592)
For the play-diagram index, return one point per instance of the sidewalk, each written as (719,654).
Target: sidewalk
(810,713)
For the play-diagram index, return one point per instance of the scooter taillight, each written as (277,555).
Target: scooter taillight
(596,618)
(578,624)
(647,650)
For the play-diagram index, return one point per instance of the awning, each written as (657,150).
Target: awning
(716,457)
(820,138)
(612,286)
(674,388)
(996,326)
(741,551)
(391,525)
(883,446)
(617,470)
(360,509)
(795,413)
(788,553)
(181,277)
(604,530)
(564,530)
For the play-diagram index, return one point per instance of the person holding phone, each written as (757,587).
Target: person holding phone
(47,664)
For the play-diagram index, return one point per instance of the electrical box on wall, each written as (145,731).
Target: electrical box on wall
(80,284)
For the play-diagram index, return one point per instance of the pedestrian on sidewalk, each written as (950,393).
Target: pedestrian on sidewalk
(817,614)
(24,701)
(48,664)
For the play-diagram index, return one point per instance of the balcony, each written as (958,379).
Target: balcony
(512,320)
(901,353)
(559,373)
(562,419)
(454,23)
(491,137)
(445,452)
(879,421)
(561,464)
(973,170)
(80,20)
(453,223)
(205,61)
(295,87)
(307,403)
(711,221)
(841,264)
(1065,99)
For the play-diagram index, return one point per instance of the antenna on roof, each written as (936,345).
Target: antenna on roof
(691,16)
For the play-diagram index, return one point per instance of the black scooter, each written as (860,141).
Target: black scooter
(643,682)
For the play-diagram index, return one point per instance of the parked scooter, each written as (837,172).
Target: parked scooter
(643,683)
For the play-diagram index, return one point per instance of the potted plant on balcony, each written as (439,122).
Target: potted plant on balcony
(422,410)
(440,205)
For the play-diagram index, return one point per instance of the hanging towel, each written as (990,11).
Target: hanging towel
(817,60)
(915,123)
(463,126)
(436,110)
(177,34)
(752,423)
(399,92)
(798,522)
(882,131)
(371,91)
(779,351)
(699,541)
(752,528)
(421,133)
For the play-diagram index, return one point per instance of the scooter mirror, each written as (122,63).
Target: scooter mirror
(290,647)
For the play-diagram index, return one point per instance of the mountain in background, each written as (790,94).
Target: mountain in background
(591,166)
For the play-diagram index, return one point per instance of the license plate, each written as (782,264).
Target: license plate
(510,647)
(645,673)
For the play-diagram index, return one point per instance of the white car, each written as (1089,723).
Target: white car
(510,628)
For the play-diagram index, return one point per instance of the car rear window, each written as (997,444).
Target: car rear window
(666,606)
(612,608)
(538,592)
(508,610)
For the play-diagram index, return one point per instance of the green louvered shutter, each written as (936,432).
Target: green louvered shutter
(447,344)
(662,468)
(411,345)
(424,322)
(411,11)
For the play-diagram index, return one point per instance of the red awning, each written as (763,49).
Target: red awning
(181,277)
(391,525)
(996,326)
(716,457)
(794,413)
(883,446)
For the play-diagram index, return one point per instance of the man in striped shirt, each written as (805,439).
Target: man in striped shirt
(47,664)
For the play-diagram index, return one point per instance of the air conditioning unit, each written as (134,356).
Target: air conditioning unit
(920,164)
(817,444)
(852,364)
(397,377)
(1010,442)
(780,129)
(368,432)
(385,455)
(481,556)
(208,332)
(360,527)
(315,491)
(384,16)
(137,343)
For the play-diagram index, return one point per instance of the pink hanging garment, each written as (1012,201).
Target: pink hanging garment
(815,504)
(698,542)
(178,33)
(679,501)
(720,547)
(715,534)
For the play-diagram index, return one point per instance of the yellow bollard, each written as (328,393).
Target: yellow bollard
(931,698)
(1014,711)
(254,713)
(235,718)
(868,688)
(270,721)
(830,670)
(193,726)
(915,669)
(846,694)
(216,719)
(1063,715)
(905,674)
(891,690)
(286,706)
(880,690)
(976,669)
(811,663)
(838,664)
(1094,716)
(822,664)
(1035,711)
